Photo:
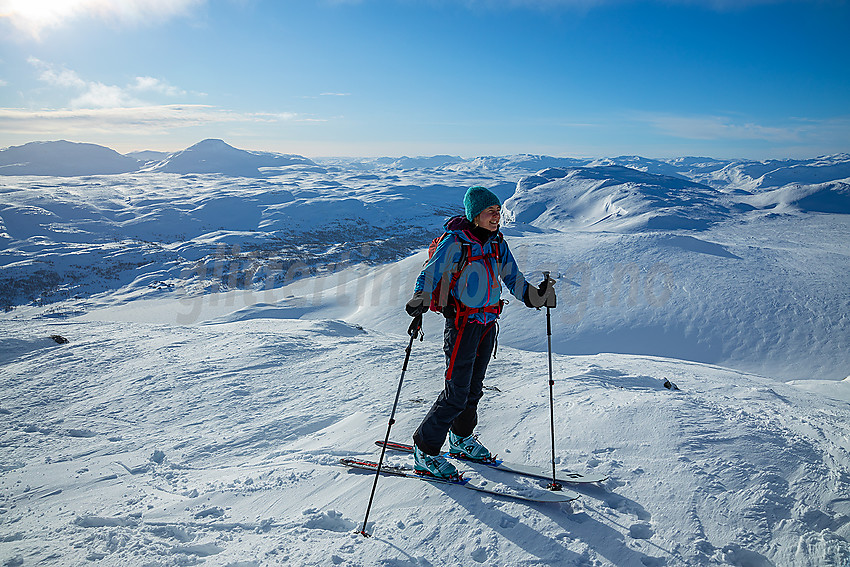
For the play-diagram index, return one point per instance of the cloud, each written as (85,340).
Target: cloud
(155,85)
(33,17)
(793,135)
(150,119)
(716,128)
(91,94)
(59,77)
(98,107)
(99,95)
(719,5)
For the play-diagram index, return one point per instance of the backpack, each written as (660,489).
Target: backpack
(440,297)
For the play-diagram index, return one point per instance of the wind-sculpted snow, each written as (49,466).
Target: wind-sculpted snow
(64,238)
(613,198)
(646,263)
(832,197)
(223,340)
(138,444)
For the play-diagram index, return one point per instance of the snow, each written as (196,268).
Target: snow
(63,158)
(230,338)
(216,156)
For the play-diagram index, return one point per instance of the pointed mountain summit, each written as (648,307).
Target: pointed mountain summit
(217,156)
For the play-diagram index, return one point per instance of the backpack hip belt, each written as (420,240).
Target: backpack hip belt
(463,312)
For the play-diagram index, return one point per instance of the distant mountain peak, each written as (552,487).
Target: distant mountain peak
(217,156)
(211,143)
(64,159)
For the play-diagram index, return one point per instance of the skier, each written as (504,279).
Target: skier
(465,269)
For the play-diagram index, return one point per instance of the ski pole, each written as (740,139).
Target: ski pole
(554,485)
(414,330)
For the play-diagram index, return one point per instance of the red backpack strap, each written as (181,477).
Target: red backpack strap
(463,312)
(437,296)
(494,245)
(461,263)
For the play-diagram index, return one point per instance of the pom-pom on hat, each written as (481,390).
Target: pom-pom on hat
(477,199)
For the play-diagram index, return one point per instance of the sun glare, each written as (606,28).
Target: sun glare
(35,16)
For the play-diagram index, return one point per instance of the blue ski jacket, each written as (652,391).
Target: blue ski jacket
(478,284)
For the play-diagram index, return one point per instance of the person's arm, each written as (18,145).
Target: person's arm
(445,257)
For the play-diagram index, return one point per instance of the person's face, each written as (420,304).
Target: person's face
(489,218)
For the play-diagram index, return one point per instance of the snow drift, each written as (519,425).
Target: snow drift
(612,198)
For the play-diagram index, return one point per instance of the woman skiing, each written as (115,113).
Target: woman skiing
(461,279)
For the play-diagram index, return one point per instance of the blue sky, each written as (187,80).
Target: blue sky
(745,78)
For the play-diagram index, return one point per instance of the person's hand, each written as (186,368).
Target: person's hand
(416,306)
(544,294)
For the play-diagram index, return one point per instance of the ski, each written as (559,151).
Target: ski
(515,468)
(407,472)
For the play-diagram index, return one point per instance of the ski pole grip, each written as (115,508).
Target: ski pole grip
(551,300)
(415,326)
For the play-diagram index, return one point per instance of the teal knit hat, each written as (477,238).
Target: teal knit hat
(477,199)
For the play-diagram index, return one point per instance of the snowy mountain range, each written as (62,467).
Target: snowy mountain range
(176,225)
(235,320)
(69,159)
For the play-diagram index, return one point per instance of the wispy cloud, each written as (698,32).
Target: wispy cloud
(714,127)
(152,84)
(722,5)
(94,94)
(33,17)
(152,119)
(56,76)
(93,106)
(791,136)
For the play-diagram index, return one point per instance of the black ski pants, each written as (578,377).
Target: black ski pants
(468,350)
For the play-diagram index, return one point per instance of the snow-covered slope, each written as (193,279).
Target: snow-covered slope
(216,156)
(68,159)
(649,264)
(830,197)
(62,158)
(148,157)
(613,198)
(217,443)
(231,337)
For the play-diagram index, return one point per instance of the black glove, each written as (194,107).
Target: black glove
(416,306)
(544,294)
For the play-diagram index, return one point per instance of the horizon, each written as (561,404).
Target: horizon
(418,156)
(755,79)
